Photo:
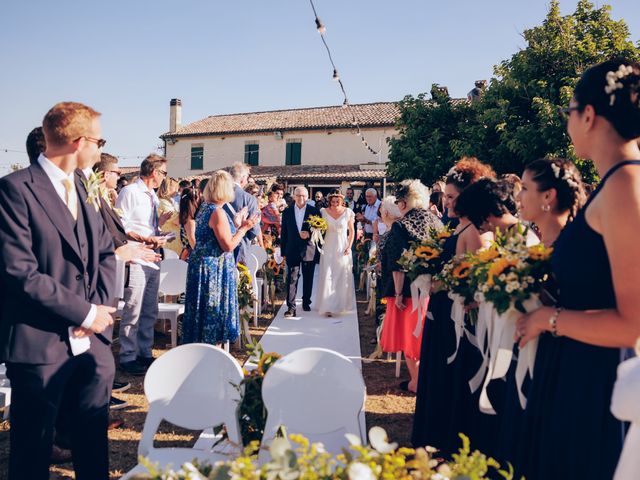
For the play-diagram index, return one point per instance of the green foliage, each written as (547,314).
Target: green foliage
(516,120)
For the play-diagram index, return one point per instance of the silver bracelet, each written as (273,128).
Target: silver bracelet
(553,321)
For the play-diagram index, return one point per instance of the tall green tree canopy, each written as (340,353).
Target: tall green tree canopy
(515,121)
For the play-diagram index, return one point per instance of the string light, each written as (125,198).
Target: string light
(354,121)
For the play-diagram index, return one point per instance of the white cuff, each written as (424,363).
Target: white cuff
(91,316)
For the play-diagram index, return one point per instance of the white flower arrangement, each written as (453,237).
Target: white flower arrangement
(566,175)
(614,83)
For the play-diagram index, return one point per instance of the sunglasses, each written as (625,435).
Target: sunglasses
(101,142)
(566,111)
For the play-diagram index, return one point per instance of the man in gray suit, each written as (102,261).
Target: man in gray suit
(244,204)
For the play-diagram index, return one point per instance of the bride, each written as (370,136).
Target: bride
(335,286)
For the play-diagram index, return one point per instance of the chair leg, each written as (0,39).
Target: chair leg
(174,331)
(226,346)
(255,313)
(398,363)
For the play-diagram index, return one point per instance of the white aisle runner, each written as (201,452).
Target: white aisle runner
(309,329)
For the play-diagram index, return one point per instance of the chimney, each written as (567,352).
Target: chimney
(175,114)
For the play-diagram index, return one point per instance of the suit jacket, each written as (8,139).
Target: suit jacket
(53,268)
(243,199)
(291,245)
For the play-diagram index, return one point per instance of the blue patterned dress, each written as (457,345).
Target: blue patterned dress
(211,305)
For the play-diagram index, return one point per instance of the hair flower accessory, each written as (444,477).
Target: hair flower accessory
(564,175)
(614,83)
(456,175)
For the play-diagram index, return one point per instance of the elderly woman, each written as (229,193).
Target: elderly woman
(412,199)
(211,305)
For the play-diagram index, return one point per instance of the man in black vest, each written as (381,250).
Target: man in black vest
(58,266)
(298,250)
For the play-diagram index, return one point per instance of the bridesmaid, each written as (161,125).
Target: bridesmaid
(568,431)
(436,405)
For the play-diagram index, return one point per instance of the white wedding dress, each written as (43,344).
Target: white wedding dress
(335,293)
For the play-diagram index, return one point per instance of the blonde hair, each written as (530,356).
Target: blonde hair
(414,193)
(168,188)
(219,188)
(66,122)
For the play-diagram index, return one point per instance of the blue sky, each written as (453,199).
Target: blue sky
(128,59)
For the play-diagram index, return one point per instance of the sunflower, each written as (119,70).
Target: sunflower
(498,267)
(443,234)
(539,252)
(428,253)
(462,270)
(276,270)
(487,255)
(242,268)
(272,264)
(383,301)
(266,361)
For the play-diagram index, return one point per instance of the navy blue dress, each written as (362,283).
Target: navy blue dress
(569,432)
(211,302)
(433,413)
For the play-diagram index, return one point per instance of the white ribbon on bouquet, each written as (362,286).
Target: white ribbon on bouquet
(501,341)
(457,315)
(483,335)
(420,289)
(317,239)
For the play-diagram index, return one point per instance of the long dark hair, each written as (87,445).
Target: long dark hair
(484,198)
(190,201)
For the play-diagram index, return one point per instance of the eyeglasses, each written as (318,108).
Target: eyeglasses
(117,172)
(399,201)
(163,172)
(101,142)
(566,111)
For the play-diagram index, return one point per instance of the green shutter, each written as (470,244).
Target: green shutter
(294,154)
(197,158)
(251,154)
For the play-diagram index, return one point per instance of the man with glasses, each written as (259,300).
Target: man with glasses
(58,268)
(139,206)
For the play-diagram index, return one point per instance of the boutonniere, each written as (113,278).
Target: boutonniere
(119,212)
(94,192)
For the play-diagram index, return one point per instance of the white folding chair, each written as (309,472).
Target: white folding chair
(173,281)
(253,266)
(170,254)
(315,392)
(191,386)
(261,255)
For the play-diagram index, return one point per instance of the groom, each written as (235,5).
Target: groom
(296,247)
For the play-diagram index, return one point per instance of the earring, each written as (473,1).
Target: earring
(546,208)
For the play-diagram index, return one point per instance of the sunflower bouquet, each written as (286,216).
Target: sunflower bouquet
(245,299)
(318,226)
(425,258)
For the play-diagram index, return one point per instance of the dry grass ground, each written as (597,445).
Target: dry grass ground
(386,406)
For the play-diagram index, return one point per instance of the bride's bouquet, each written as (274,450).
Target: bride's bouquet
(318,227)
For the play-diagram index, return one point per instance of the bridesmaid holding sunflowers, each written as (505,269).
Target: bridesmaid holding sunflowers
(438,405)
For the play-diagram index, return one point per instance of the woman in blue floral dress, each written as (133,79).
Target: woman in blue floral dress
(211,305)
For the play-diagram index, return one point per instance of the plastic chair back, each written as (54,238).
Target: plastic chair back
(170,254)
(192,386)
(314,391)
(173,276)
(260,253)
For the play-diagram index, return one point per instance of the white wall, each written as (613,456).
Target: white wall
(332,147)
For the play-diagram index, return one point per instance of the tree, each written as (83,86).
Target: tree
(516,120)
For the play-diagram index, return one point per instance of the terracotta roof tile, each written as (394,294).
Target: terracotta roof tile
(305,173)
(367,115)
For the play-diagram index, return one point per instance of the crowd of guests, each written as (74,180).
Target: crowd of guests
(74,242)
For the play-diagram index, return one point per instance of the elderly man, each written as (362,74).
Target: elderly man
(298,250)
(244,205)
(370,212)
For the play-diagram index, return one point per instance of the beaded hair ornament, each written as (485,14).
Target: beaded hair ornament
(564,175)
(614,83)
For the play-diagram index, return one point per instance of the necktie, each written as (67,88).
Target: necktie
(71,198)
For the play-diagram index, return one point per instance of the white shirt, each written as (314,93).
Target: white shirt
(56,176)
(299,214)
(371,213)
(137,204)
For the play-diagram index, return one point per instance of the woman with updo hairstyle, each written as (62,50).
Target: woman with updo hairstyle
(569,431)
(551,195)
(412,199)
(439,417)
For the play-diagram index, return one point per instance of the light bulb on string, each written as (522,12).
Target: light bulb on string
(336,77)
(320,27)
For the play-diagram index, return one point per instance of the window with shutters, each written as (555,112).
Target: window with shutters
(197,157)
(251,153)
(294,152)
